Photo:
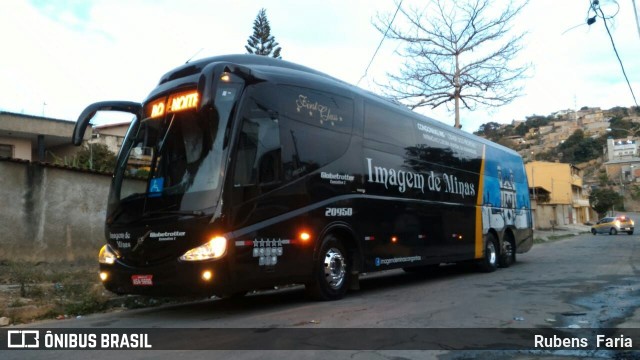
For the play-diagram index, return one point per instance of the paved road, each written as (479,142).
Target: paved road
(586,281)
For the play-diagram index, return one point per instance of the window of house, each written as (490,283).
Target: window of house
(6,150)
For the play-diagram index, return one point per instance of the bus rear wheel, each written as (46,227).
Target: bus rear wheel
(330,272)
(508,253)
(489,261)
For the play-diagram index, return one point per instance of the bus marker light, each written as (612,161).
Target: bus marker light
(207,275)
(305,236)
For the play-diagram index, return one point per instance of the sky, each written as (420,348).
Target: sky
(60,56)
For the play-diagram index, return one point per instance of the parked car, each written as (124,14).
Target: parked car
(613,225)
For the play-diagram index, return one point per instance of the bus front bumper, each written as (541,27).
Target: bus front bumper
(175,278)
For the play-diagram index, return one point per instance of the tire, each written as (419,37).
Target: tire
(630,232)
(593,231)
(489,261)
(508,253)
(613,231)
(330,278)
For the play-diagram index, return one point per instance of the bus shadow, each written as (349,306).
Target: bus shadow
(294,295)
(378,282)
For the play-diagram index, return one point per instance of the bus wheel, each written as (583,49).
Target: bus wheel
(489,261)
(331,271)
(508,254)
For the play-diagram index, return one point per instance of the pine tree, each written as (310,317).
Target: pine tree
(262,42)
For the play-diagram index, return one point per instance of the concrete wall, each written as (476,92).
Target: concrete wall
(547,216)
(49,213)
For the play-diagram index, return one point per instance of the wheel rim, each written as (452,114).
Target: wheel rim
(508,250)
(491,250)
(335,268)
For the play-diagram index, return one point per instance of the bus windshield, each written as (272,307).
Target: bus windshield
(173,163)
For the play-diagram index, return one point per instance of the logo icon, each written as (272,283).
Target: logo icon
(22,339)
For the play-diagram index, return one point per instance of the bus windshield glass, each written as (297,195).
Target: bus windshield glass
(172,163)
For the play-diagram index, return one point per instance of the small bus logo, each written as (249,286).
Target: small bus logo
(21,339)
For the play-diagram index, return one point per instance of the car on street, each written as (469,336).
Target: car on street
(612,225)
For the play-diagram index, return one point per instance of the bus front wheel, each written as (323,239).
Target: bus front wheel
(330,279)
(489,261)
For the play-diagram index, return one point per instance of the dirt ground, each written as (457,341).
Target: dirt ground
(60,290)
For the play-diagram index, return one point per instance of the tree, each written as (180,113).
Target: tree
(490,130)
(456,51)
(96,157)
(578,148)
(603,200)
(262,42)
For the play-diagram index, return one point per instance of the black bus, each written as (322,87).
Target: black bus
(244,172)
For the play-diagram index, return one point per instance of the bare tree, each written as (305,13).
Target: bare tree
(456,51)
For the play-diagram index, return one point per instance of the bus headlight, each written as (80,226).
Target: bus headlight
(213,249)
(107,255)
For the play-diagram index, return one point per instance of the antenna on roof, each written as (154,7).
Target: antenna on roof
(194,55)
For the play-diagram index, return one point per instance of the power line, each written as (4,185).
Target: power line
(635,12)
(380,44)
(595,5)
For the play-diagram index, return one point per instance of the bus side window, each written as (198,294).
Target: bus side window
(315,129)
(258,165)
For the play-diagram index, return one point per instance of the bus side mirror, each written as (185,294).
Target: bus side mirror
(90,111)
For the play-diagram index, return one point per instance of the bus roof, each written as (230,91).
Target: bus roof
(279,67)
(195,67)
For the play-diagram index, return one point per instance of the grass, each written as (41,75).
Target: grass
(34,291)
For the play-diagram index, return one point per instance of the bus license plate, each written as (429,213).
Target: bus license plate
(142,280)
